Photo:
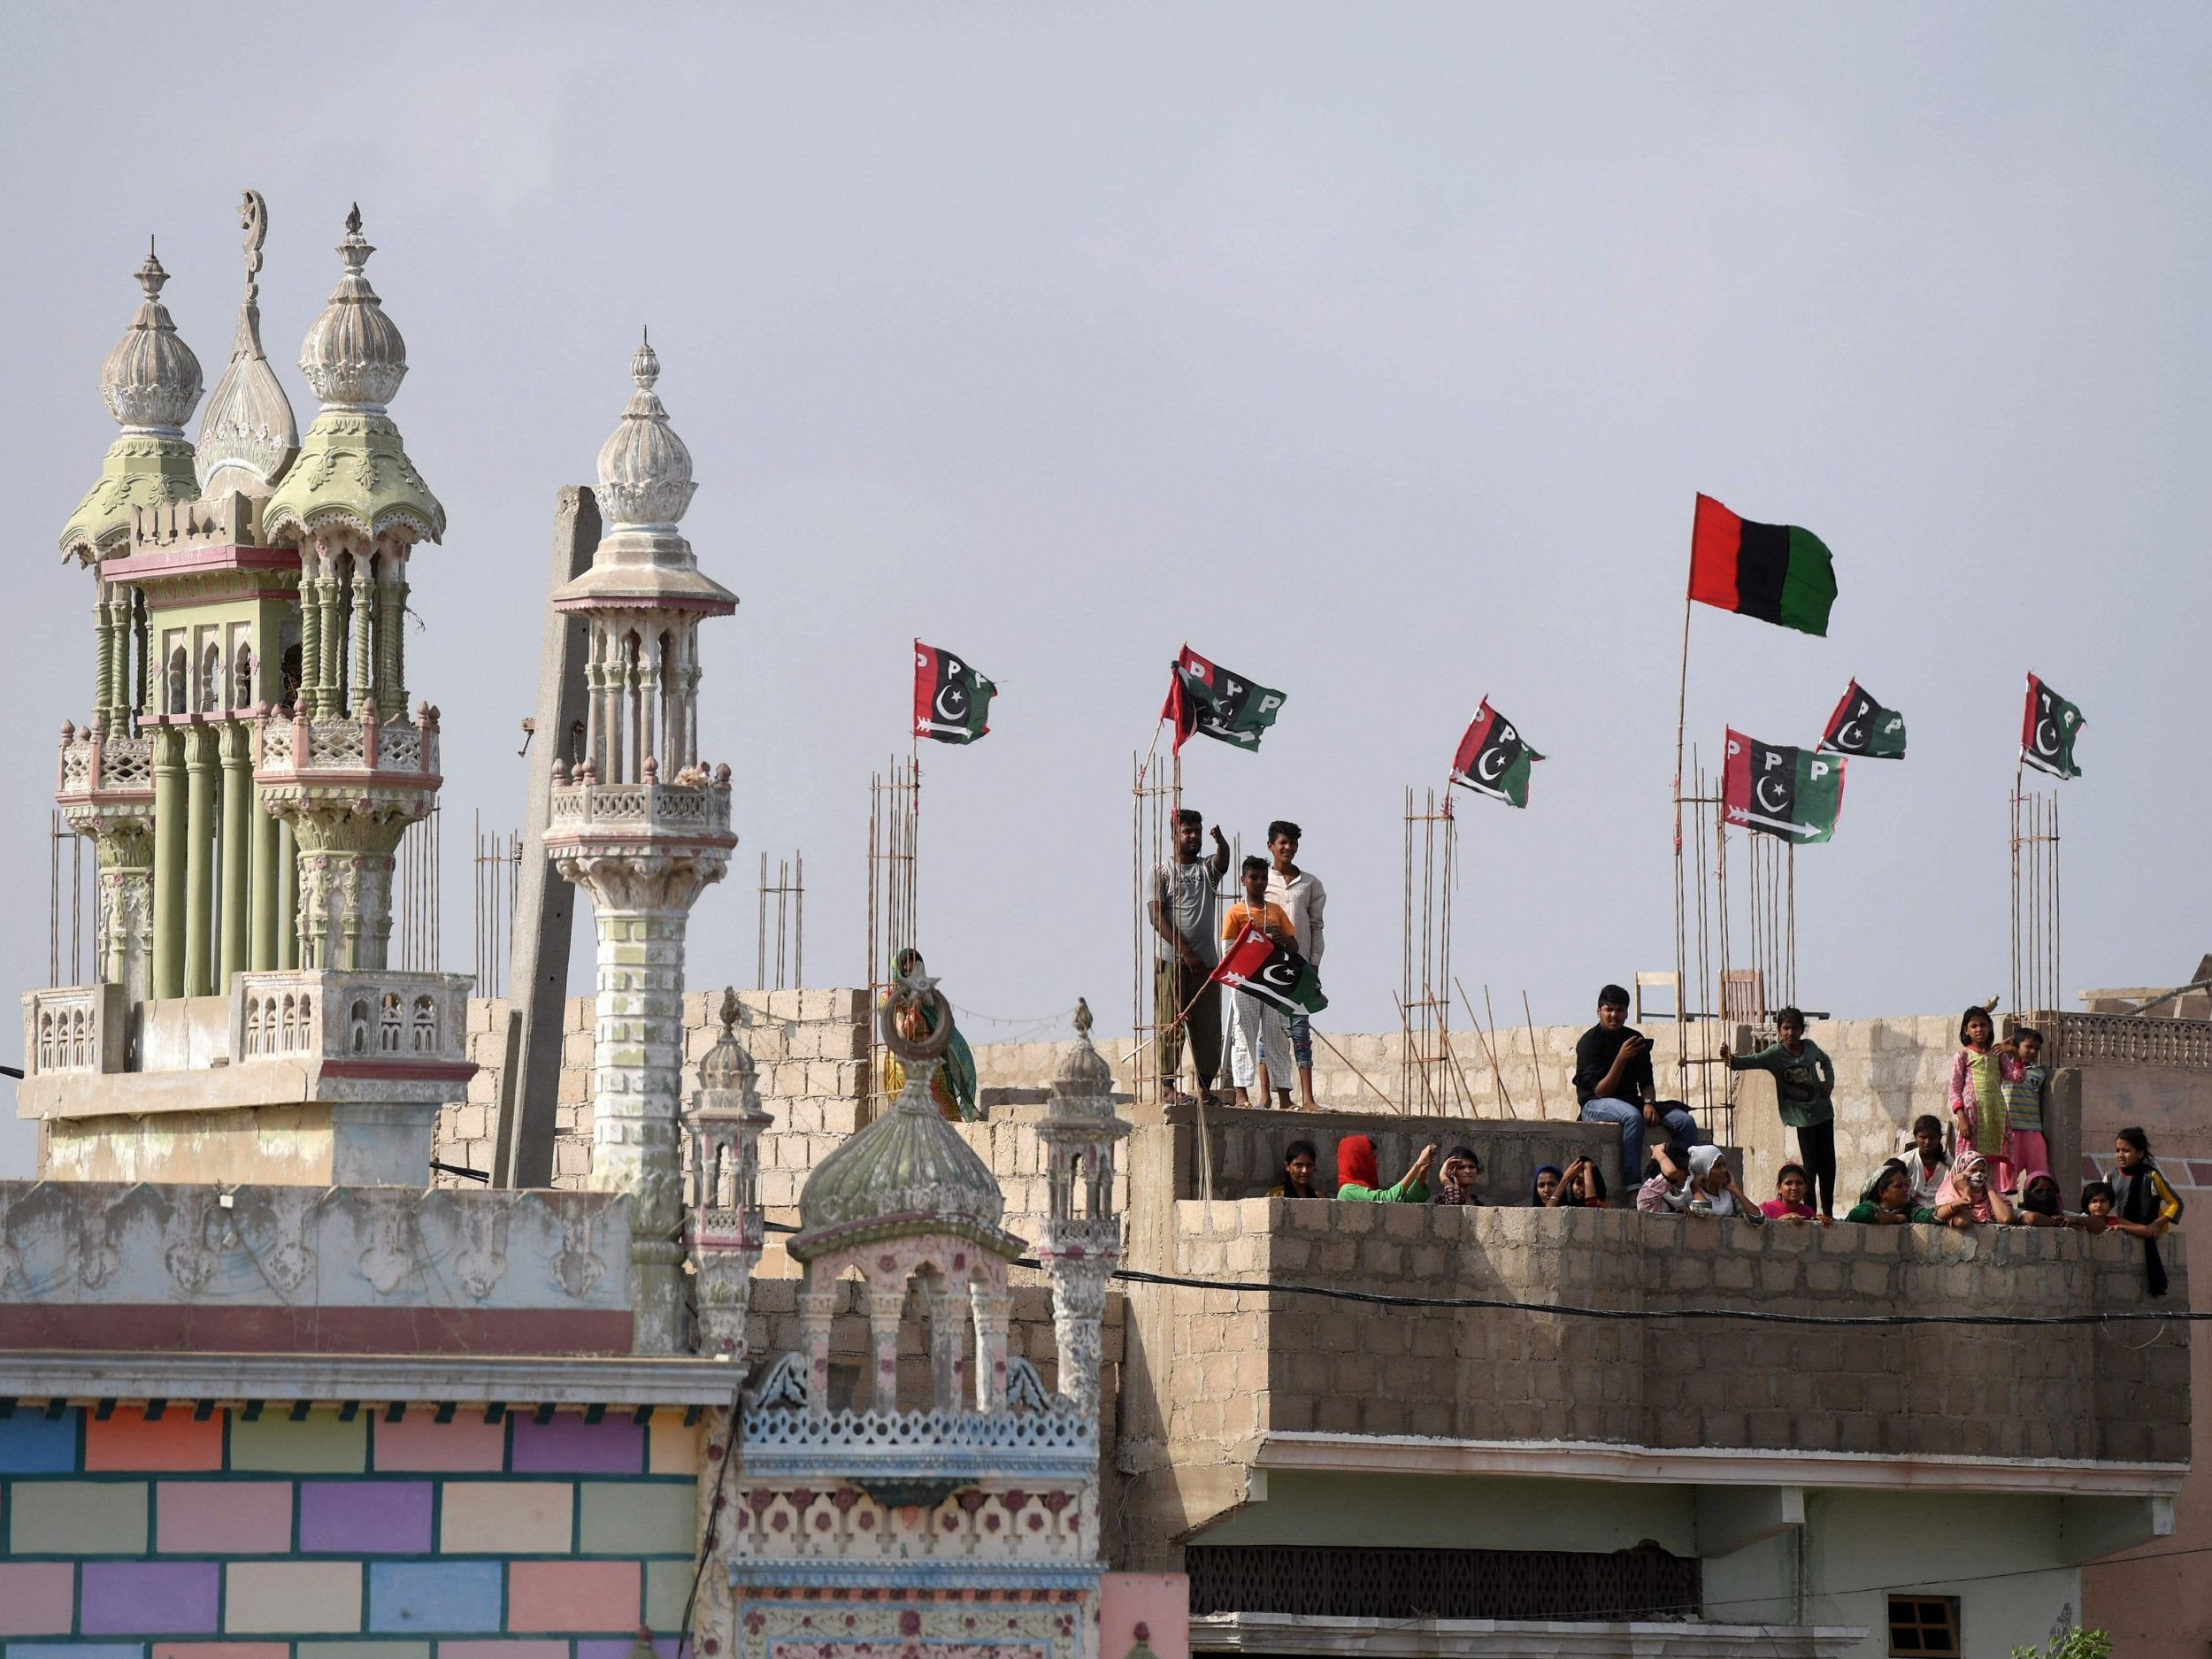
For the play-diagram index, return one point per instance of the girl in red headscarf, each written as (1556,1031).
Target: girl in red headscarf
(1358,1181)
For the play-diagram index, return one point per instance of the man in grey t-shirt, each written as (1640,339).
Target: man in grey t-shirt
(1182,906)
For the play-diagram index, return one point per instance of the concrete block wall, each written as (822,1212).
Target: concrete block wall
(1887,1073)
(811,1048)
(281,1539)
(2090,1392)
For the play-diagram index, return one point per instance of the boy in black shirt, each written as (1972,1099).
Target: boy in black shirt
(1613,1081)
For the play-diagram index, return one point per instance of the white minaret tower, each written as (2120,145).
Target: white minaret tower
(1082,1232)
(641,827)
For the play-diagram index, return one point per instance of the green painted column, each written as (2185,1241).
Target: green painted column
(169,860)
(238,813)
(200,767)
(310,633)
(288,898)
(266,881)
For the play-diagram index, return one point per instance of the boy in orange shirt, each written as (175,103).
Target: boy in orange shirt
(1259,1036)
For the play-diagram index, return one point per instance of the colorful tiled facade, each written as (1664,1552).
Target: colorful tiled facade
(319,1531)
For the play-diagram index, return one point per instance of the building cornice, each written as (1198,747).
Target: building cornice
(515,1380)
(1712,1466)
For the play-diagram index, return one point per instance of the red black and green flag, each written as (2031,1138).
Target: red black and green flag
(1860,726)
(2048,729)
(1492,760)
(952,702)
(1777,572)
(1272,972)
(1796,794)
(1213,701)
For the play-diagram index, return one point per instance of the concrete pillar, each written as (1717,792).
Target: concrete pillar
(364,653)
(311,630)
(993,1312)
(637,1068)
(199,860)
(329,702)
(288,857)
(948,1352)
(232,739)
(169,861)
(817,1308)
(265,880)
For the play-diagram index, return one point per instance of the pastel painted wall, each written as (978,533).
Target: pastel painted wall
(337,1536)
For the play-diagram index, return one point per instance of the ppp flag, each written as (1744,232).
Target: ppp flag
(2048,729)
(1860,726)
(1796,794)
(1492,760)
(1216,702)
(1274,973)
(1777,572)
(952,702)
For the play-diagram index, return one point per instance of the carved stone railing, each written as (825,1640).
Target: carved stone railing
(105,765)
(678,809)
(100,1264)
(921,1444)
(342,745)
(408,1018)
(2129,1039)
(74,1028)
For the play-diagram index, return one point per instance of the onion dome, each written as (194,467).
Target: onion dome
(643,562)
(644,468)
(1083,1085)
(908,1172)
(248,436)
(352,467)
(151,384)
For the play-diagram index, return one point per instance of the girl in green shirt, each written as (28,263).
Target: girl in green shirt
(1359,1182)
(1804,1080)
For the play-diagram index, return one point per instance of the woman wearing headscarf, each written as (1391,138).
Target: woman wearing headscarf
(1969,1196)
(1887,1200)
(1359,1182)
(1543,1185)
(2041,1204)
(2143,1204)
(1696,1183)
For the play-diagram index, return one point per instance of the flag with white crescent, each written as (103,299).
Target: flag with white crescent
(952,702)
(2049,727)
(1492,758)
(1275,973)
(1795,794)
(1860,726)
(1208,700)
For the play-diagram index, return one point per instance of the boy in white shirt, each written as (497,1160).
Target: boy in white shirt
(1303,900)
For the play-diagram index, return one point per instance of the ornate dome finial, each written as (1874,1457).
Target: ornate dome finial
(151,380)
(726,1065)
(151,383)
(353,355)
(1083,1084)
(644,468)
(249,435)
(352,467)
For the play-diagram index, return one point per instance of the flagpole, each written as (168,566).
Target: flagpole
(1681,720)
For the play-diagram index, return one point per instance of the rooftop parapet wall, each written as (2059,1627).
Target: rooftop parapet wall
(383,1270)
(1214,1373)
(2081,1392)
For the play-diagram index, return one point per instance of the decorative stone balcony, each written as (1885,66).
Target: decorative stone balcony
(649,809)
(405,752)
(97,768)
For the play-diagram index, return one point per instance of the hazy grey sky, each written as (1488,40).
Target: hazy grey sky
(1377,351)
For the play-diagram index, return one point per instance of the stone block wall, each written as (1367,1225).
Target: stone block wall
(277,1537)
(1245,1363)
(1887,1073)
(811,1048)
